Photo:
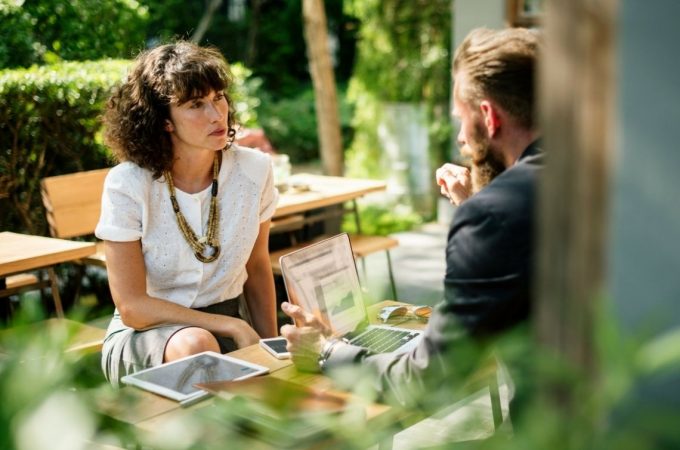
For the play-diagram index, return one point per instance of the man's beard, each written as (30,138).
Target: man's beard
(486,163)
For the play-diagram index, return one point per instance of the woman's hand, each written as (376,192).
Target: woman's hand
(243,334)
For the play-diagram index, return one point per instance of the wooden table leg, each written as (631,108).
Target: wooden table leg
(55,292)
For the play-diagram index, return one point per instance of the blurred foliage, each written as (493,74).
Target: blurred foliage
(265,35)
(290,123)
(404,49)
(48,31)
(54,399)
(382,219)
(245,95)
(404,52)
(18,47)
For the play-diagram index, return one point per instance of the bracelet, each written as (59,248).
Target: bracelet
(326,352)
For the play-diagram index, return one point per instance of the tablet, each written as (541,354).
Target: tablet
(176,379)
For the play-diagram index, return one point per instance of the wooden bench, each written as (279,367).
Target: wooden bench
(15,284)
(72,206)
(18,283)
(362,244)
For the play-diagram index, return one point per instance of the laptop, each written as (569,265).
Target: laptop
(323,279)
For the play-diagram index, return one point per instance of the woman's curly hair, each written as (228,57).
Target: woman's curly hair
(136,113)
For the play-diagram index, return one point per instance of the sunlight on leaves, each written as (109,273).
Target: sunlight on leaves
(61,422)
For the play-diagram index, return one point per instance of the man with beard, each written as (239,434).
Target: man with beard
(489,252)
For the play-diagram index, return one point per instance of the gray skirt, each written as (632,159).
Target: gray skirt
(126,350)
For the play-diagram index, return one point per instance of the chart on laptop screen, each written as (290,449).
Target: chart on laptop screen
(336,293)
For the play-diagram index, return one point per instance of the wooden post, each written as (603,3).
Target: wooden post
(576,96)
(321,68)
(211,6)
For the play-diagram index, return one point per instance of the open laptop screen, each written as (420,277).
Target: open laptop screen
(323,279)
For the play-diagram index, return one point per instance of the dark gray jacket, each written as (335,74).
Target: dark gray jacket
(489,258)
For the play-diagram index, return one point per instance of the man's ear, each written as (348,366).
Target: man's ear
(492,120)
(168,126)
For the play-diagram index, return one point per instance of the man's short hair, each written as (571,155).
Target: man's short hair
(500,65)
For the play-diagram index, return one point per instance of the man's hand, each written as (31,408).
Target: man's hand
(455,182)
(305,340)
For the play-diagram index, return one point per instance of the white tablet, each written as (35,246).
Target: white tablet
(176,379)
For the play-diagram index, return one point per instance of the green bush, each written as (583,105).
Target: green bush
(382,219)
(290,124)
(244,95)
(403,56)
(49,126)
(54,30)
(18,47)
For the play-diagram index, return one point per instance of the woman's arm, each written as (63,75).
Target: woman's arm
(138,310)
(259,288)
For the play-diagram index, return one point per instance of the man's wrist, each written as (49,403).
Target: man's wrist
(326,351)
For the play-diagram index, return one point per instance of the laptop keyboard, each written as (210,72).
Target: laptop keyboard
(383,340)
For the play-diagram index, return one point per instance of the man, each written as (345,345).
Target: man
(490,247)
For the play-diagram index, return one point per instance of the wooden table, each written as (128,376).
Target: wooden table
(319,191)
(151,413)
(21,253)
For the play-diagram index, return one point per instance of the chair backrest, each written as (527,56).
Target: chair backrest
(73,202)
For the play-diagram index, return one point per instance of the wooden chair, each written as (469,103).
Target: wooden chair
(72,206)
(18,283)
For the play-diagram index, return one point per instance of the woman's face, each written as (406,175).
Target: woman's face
(200,123)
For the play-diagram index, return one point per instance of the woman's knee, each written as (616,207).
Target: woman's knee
(189,341)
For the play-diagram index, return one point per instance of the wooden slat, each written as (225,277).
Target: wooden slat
(21,280)
(73,202)
(364,245)
(16,284)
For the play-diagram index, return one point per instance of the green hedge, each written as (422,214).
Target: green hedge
(50,125)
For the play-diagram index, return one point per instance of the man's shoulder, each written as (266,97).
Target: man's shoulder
(521,175)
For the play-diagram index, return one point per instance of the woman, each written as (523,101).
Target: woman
(185,216)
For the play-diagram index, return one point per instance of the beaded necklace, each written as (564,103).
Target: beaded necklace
(199,245)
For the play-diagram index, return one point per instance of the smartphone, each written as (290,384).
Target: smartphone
(276,346)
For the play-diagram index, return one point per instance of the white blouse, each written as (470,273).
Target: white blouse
(137,207)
